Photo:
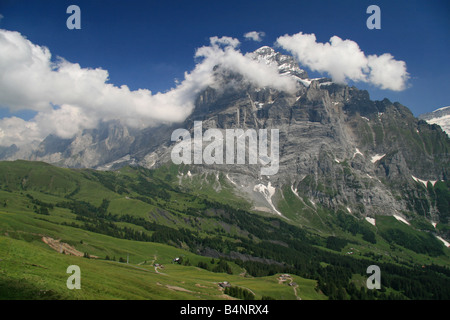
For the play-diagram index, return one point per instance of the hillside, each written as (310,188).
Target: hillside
(147,217)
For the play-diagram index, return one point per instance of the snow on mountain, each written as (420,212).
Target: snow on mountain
(268,193)
(440,117)
(377,157)
(285,64)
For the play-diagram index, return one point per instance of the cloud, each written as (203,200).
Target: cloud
(17,131)
(31,80)
(254,35)
(343,60)
(387,73)
(257,72)
(69,98)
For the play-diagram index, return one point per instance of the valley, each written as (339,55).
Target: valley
(127,221)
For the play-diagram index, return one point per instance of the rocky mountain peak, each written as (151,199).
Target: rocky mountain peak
(285,63)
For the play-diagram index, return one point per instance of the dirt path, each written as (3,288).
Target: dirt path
(156,270)
(295,286)
(63,247)
(295,289)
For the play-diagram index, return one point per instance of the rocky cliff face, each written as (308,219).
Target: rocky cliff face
(338,149)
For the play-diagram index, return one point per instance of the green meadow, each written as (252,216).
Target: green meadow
(124,229)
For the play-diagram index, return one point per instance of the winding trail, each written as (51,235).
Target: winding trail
(295,289)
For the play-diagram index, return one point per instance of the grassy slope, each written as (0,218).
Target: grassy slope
(30,269)
(21,230)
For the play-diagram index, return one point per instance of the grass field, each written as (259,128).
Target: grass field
(36,199)
(30,269)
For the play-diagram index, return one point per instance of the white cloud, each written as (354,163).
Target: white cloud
(30,80)
(254,35)
(387,73)
(18,131)
(69,98)
(257,72)
(343,60)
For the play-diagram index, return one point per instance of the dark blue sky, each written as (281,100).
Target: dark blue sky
(149,44)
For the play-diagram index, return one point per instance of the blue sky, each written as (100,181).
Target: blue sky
(149,44)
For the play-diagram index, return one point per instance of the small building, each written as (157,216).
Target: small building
(225,284)
(284,277)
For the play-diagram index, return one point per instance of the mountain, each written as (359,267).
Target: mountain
(440,117)
(339,151)
(357,183)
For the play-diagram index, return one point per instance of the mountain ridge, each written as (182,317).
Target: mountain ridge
(338,148)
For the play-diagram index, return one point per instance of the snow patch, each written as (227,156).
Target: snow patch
(445,242)
(268,193)
(377,157)
(367,119)
(307,83)
(401,219)
(357,152)
(370,220)
(295,191)
(425,182)
(337,160)
(228,177)
(349,210)
(441,109)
